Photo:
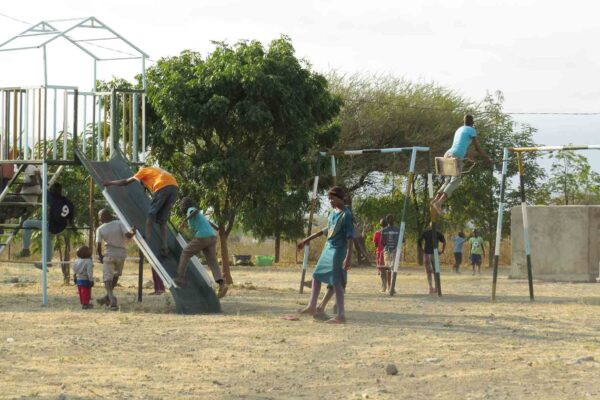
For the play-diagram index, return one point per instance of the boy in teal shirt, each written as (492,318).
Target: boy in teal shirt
(462,139)
(205,240)
(477,250)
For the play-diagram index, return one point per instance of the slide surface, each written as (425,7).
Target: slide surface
(132,204)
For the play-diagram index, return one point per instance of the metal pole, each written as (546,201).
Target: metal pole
(25,145)
(135,137)
(144,124)
(95,68)
(313,205)
(45,233)
(140,275)
(83,144)
(499,223)
(2,122)
(75,121)
(436,256)
(525,225)
(113,122)
(54,127)
(45,66)
(406,193)
(91,213)
(333,171)
(99,128)
(123,137)
(65,123)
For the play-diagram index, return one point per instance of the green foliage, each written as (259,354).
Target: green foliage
(572,180)
(237,127)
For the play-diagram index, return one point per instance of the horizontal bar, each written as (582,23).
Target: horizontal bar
(120,58)
(56,262)
(98,39)
(36,33)
(40,162)
(554,148)
(373,151)
(15,226)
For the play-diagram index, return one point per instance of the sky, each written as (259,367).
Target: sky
(541,54)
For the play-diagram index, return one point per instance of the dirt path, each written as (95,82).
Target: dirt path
(458,347)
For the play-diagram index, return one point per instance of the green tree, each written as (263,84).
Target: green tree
(572,178)
(237,126)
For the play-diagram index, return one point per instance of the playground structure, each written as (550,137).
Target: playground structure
(413,151)
(52,126)
(520,151)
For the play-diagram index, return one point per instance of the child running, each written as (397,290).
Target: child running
(379,260)
(83,275)
(205,241)
(458,240)
(113,232)
(336,257)
(476,250)
(389,236)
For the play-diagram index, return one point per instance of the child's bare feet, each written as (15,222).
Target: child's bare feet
(308,310)
(336,320)
(321,316)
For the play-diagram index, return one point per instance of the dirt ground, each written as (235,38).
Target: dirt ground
(460,346)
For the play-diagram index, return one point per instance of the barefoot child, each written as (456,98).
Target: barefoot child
(205,241)
(458,240)
(83,275)
(427,237)
(113,232)
(379,259)
(336,256)
(476,251)
(389,238)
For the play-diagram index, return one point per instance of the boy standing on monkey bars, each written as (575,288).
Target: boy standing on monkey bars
(462,139)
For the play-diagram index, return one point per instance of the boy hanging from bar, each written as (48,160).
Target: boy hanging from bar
(462,139)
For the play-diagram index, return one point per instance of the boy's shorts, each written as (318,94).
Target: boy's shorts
(476,259)
(112,267)
(389,257)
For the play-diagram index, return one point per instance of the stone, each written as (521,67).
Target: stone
(391,369)
(580,360)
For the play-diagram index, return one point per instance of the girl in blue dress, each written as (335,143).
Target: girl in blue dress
(336,256)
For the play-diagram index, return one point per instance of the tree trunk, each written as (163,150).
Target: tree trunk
(492,251)
(66,258)
(277,246)
(225,258)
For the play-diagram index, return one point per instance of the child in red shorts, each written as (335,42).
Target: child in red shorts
(83,274)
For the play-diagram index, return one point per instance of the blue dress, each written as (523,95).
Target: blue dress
(340,228)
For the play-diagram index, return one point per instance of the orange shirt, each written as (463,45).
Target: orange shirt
(155,178)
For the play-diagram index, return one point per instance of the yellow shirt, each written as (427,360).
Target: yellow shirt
(155,178)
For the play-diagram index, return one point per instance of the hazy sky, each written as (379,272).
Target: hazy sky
(541,54)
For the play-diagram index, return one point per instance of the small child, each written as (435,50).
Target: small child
(83,275)
(379,260)
(458,240)
(476,251)
(389,239)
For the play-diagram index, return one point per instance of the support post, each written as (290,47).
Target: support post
(333,171)
(313,205)
(75,122)
(135,127)
(113,122)
(434,226)
(140,276)
(525,225)
(498,242)
(406,193)
(54,118)
(45,233)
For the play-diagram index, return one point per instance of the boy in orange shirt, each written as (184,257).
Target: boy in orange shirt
(164,190)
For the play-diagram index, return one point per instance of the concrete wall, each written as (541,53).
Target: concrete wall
(565,242)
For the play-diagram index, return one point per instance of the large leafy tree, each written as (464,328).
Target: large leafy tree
(237,127)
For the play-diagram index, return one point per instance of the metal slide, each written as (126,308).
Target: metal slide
(130,203)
